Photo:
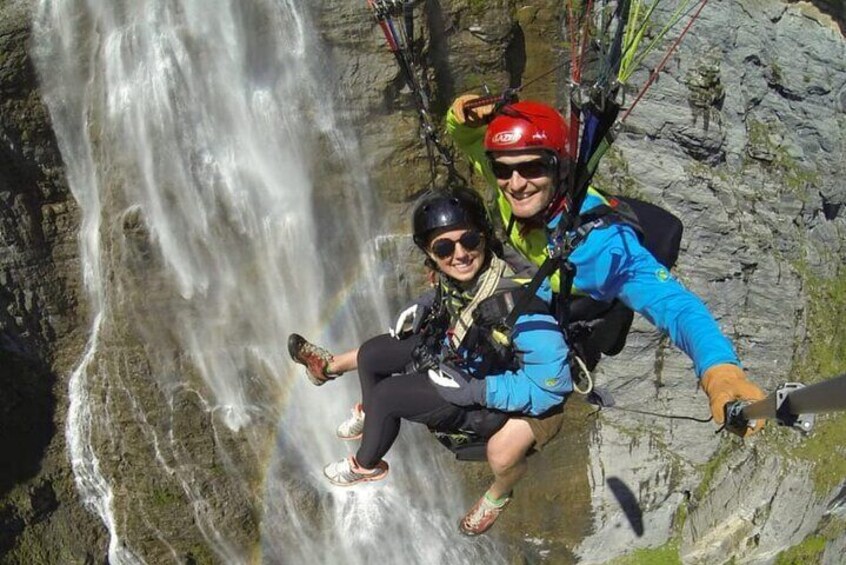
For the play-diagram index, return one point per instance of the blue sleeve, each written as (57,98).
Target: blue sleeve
(612,263)
(542,380)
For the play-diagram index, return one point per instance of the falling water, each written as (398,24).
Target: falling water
(194,133)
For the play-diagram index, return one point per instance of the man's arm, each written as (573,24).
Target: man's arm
(612,263)
(543,379)
(469,137)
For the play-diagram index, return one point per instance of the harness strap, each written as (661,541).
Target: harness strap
(487,286)
(559,259)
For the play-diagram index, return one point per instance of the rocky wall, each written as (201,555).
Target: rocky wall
(43,323)
(743,137)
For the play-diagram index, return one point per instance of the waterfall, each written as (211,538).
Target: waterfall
(194,134)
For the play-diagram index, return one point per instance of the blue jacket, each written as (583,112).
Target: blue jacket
(611,263)
(542,379)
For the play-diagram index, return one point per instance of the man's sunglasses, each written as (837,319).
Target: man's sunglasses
(469,240)
(528,169)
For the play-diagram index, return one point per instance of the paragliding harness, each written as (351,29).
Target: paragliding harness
(482,339)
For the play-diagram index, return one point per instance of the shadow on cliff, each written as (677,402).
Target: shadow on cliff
(628,503)
(27,407)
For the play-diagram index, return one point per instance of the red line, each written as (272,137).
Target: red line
(654,74)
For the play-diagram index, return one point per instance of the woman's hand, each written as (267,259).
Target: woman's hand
(457,386)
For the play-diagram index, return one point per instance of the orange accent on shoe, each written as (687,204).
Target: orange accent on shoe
(481,517)
(348,472)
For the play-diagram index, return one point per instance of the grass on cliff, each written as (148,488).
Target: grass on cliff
(825,447)
(765,139)
(667,554)
(809,551)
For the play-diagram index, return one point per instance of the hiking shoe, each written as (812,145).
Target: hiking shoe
(346,472)
(314,358)
(481,517)
(352,427)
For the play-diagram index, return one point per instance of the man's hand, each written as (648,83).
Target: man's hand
(457,387)
(475,117)
(725,383)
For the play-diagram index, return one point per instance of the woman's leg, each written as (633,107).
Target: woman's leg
(343,362)
(381,357)
(410,397)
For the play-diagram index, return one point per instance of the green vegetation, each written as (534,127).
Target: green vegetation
(613,175)
(667,554)
(764,145)
(825,448)
(826,327)
(776,73)
(700,170)
(477,7)
(809,551)
(163,496)
(710,468)
(199,555)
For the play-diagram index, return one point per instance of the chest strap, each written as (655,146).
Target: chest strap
(487,286)
(558,258)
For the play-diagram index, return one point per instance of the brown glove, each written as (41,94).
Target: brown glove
(475,117)
(725,383)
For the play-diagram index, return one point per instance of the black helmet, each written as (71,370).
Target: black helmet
(461,206)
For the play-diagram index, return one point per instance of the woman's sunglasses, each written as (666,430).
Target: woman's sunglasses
(528,169)
(443,248)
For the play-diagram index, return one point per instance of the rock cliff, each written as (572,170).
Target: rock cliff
(743,137)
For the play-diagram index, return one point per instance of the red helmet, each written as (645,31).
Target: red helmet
(528,125)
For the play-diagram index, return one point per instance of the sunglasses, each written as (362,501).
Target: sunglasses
(469,240)
(528,169)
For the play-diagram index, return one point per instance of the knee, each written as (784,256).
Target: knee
(503,456)
(369,352)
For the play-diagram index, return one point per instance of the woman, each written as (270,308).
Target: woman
(453,376)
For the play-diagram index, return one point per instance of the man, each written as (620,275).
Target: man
(523,153)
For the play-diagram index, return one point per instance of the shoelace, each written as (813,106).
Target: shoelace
(354,423)
(311,349)
(482,512)
(348,473)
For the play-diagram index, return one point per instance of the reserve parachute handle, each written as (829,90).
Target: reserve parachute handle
(792,404)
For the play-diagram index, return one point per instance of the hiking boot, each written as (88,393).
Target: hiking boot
(314,358)
(481,517)
(346,472)
(352,427)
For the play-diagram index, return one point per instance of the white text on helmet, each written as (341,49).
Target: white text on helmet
(507,137)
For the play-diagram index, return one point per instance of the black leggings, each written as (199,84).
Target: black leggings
(390,395)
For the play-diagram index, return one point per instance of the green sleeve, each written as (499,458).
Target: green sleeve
(469,141)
